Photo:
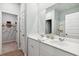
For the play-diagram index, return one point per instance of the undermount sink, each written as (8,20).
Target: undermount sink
(65,43)
(59,43)
(42,35)
(47,36)
(59,40)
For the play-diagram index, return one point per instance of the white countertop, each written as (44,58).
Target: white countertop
(67,45)
(34,36)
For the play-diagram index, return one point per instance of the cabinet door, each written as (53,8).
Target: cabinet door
(33,47)
(46,50)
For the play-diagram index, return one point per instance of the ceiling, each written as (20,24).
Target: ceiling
(65,6)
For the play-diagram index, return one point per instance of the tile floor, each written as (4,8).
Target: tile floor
(7,47)
(14,53)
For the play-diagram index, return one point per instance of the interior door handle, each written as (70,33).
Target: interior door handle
(66,34)
(32,46)
(23,35)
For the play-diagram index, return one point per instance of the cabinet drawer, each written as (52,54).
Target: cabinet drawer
(46,50)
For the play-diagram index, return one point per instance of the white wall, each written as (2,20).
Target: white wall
(43,15)
(43,6)
(10,7)
(41,22)
(36,16)
(32,18)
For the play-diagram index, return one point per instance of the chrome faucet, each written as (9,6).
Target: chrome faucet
(61,39)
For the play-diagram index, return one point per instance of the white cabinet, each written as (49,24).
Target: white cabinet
(36,48)
(46,50)
(33,47)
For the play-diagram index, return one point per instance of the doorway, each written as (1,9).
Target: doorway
(48,26)
(9,32)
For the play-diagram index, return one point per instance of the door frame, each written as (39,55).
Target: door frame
(18,32)
(25,34)
(0,32)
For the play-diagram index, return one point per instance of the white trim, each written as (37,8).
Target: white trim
(10,12)
(8,41)
(18,32)
(0,32)
(17,23)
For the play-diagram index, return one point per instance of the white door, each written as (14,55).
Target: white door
(0,32)
(22,29)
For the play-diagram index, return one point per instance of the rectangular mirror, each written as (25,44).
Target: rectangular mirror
(61,19)
(72,25)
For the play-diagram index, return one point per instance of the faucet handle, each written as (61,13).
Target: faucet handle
(66,34)
(61,39)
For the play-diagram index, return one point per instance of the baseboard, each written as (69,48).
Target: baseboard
(8,41)
(23,52)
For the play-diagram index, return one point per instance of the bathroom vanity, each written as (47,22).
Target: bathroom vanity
(42,46)
(62,20)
